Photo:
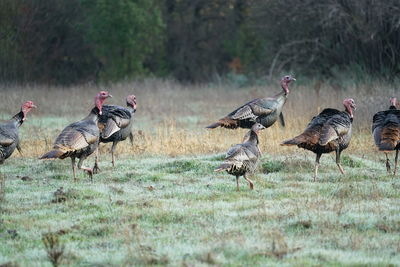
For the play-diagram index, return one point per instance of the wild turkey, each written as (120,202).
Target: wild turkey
(9,134)
(327,132)
(386,132)
(242,159)
(262,110)
(116,124)
(79,139)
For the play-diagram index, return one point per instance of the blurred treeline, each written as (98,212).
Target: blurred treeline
(73,41)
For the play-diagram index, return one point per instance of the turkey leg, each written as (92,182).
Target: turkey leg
(73,168)
(387,163)
(251,184)
(114,146)
(96,168)
(86,169)
(338,152)
(316,166)
(237,183)
(395,161)
(131,138)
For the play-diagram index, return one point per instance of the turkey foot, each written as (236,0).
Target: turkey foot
(340,168)
(251,184)
(96,168)
(89,171)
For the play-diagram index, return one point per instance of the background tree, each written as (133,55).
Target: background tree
(74,41)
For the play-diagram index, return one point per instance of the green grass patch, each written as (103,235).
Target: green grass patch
(272,166)
(178,212)
(182,166)
(351,161)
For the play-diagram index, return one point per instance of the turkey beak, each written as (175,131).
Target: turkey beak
(109,96)
(293,79)
(33,106)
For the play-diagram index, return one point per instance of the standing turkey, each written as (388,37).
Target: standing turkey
(116,124)
(80,139)
(386,132)
(9,132)
(327,132)
(262,110)
(242,159)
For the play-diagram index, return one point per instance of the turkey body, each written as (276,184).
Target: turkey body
(116,125)
(386,129)
(242,159)
(386,133)
(79,139)
(265,111)
(329,131)
(9,137)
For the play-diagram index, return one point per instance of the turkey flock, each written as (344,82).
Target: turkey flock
(329,131)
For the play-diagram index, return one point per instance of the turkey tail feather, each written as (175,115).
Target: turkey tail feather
(225,123)
(214,125)
(294,141)
(53,154)
(390,136)
(307,140)
(223,167)
(387,146)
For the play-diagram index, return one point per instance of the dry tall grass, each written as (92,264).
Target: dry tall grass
(171,117)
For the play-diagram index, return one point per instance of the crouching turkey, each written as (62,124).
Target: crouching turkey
(9,132)
(386,132)
(242,159)
(79,139)
(327,132)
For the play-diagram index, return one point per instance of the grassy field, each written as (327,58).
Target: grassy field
(163,205)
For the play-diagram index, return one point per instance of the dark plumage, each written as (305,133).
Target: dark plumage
(116,124)
(327,132)
(9,132)
(262,110)
(386,132)
(79,139)
(242,159)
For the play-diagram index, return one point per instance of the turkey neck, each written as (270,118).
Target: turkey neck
(18,118)
(130,108)
(253,139)
(349,111)
(392,107)
(93,115)
(283,93)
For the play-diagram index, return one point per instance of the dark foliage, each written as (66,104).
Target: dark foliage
(74,41)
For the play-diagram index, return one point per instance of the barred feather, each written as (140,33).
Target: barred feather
(390,137)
